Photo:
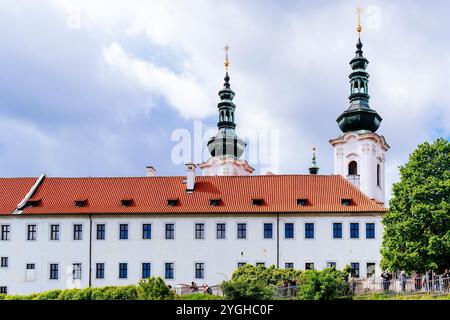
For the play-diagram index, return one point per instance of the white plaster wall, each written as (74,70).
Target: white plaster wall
(220,256)
(367,153)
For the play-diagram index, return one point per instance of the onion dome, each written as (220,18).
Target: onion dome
(359,116)
(226,142)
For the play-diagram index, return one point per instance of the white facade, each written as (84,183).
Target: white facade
(225,166)
(220,257)
(368,151)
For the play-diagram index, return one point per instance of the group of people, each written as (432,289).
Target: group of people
(430,281)
(204,288)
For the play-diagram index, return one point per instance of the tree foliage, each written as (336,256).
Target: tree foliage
(327,284)
(153,289)
(417,225)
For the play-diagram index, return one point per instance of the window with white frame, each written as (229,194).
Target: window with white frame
(289,265)
(3,290)
(146,270)
(199,231)
(199,270)
(242,231)
(30,273)
(170,231)
(54,232)
(100,270)
(331,264)
(169,270)
(101,231)
(5,232)
(221,231)
(147,231)
(54,271)
(76,271)
(77,232)
(31,232)
(4,262)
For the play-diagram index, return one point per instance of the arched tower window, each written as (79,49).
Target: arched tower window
(378,175)
(353,168)
(227,115)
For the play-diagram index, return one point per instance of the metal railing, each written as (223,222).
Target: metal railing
(437,285)
(182,289)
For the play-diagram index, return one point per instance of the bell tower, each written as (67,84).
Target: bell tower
(359,153)
(226,147)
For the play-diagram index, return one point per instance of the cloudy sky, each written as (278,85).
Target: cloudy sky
(101,88)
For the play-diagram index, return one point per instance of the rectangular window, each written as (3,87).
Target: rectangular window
(199,231)
(4,262)
(100,271)
(354,230)
(331,265)
(30,273)
(31,232)
(101,231)
(170,231)
(5,232)
(309,266)
(123,270)
(241,264)
(3,290)
(199,270)
(77,232)
(123,231)
(169,270)
(289,231)
(221,231)
(355,269)
(289,265)
(76,271)
(370,269)
(146,231)
(54,268)
(370,230)
(268,232)
(309,230)
(337,230)
(261,264)
(242,231)
(54,232)
(146,270)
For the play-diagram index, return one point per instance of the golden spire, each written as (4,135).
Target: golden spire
(359,10)
(227,61)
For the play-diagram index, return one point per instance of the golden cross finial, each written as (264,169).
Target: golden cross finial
(359,10)
(227,61)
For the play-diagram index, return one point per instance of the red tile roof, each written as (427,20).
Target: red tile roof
(150,194)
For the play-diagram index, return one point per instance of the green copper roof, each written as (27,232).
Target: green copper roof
(359,115)
(226,142)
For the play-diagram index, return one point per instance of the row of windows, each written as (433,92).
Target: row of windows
(199,230)
(169,269)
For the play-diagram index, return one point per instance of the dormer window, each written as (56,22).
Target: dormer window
(214,202)
(80,203)
(257,202)
(33,202)
(302,202)
(126,202)
(172,202)
(346,202)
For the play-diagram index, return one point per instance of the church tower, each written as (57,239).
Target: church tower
(226,147)
(359,153)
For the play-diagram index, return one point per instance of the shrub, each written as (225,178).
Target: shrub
(49,295)
(198,296)
(153,289)
(327,284)
(268,276)
(241,289)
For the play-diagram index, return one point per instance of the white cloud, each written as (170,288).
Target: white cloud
(182,92)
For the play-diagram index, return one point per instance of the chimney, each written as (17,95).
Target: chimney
(190,177)
(151,172)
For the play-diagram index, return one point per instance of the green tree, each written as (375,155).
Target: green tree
(327,284)
(153,289)
(417,224)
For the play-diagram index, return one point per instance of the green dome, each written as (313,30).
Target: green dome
(359,116)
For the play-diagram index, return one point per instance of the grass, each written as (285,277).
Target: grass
(422,296)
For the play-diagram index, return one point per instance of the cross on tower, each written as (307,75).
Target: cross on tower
(227,61)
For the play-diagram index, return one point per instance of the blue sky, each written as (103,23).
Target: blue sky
(98,87)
